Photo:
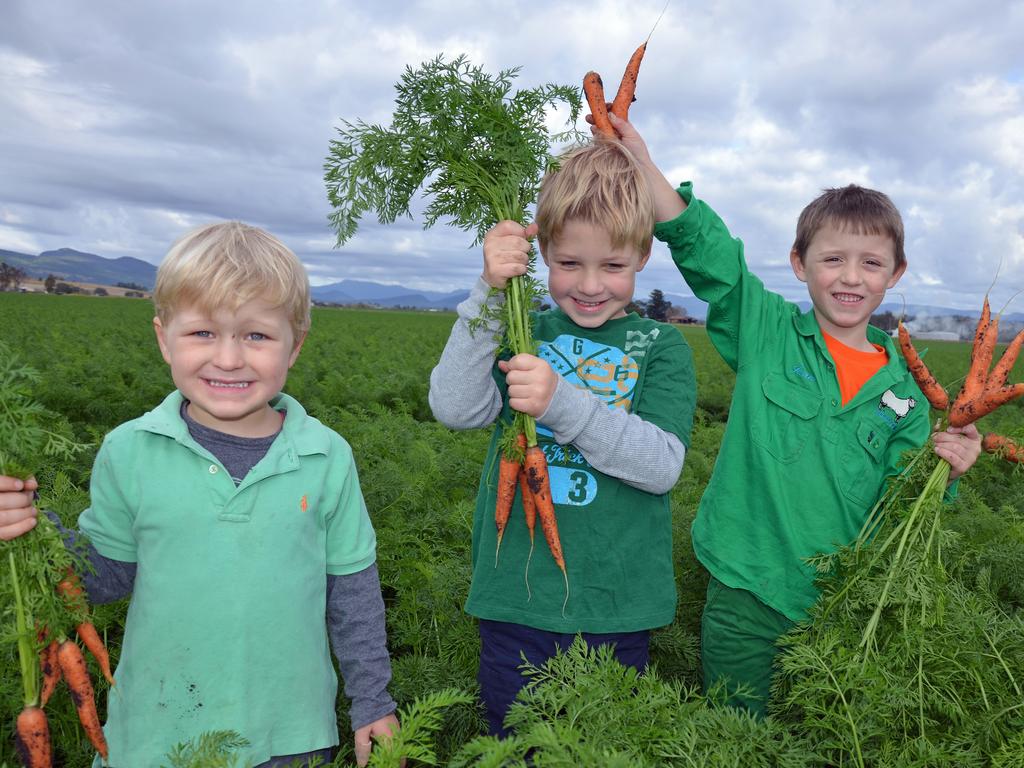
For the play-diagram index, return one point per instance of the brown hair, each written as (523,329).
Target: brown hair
(227,264)
(601,184)
(852,208)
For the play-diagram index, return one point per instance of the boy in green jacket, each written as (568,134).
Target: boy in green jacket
(822,409)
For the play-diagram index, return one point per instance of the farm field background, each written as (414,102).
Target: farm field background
(365,374)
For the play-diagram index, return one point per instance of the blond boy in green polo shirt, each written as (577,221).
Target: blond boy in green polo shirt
(236,523)
(822,409)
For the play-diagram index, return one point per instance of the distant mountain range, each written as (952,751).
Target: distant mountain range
(366,292)
(69,264)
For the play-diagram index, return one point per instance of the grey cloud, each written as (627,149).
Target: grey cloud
(147,117)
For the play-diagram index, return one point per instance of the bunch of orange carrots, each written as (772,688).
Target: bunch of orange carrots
(983,390)
(526,469)
(59,659)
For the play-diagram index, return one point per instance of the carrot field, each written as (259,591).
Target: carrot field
(365,374)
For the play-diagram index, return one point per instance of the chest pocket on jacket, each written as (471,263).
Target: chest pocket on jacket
(860,463)
(784,421)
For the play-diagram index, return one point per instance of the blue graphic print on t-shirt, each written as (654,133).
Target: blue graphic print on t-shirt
(606,371)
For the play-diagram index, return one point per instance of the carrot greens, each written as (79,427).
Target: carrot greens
(475,152)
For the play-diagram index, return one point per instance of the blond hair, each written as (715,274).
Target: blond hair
(853,208)
(603,185)
(226,264)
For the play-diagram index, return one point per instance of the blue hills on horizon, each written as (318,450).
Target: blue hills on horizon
(70,264)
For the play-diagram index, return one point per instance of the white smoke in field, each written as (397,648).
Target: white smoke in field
(954,327)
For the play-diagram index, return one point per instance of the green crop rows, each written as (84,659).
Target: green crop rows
(365,373)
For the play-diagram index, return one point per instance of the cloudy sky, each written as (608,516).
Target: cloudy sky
(123,123)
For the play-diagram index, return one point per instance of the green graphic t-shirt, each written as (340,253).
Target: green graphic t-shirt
(617,539)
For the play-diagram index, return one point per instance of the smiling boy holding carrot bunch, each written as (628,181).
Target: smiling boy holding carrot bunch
(613,395)
(236,522)
(822,410)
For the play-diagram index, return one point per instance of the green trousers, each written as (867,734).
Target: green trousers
(738,634)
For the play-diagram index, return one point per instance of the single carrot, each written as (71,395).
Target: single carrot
(50,668)
(91,639)
(508,476)
(32,738)
(529,507)
(627,88)
(70,588)
(981,356)
(932,390)
(1009,357)
(530,513)
(540,487)
(539,483)
(962,414)
(593,88)
(1004,447)
(72,665)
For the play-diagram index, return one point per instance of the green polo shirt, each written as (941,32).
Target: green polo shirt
(226,627)
(797,472)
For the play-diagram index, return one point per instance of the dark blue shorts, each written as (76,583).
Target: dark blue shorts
(501,644)
(285,761)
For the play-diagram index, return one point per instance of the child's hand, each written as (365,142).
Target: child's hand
(506,252)
(628,135)
(365,736)
(531,384)
(667,203)
(17,515)
(960,446)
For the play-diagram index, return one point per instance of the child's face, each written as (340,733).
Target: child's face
(231,364)
(847,275)
(592,282)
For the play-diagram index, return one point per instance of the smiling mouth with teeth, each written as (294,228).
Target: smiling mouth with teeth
(846,298)
(228,384)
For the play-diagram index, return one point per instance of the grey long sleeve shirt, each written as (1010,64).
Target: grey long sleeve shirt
(463,395)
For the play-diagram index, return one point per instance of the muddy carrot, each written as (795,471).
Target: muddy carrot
(981,355)
(72,665)
(593,88)
(933,391)
(540,487)
(32,738)
(70,588)
(508,476)
(536,467)
(50,668)
(1004,447)
(530,513)
(1002,370)
(962,414)
(529,507)
(627,88)
(91,639)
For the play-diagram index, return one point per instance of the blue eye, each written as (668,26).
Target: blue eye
(257,336)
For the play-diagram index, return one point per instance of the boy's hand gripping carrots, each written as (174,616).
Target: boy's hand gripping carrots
(983,391)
